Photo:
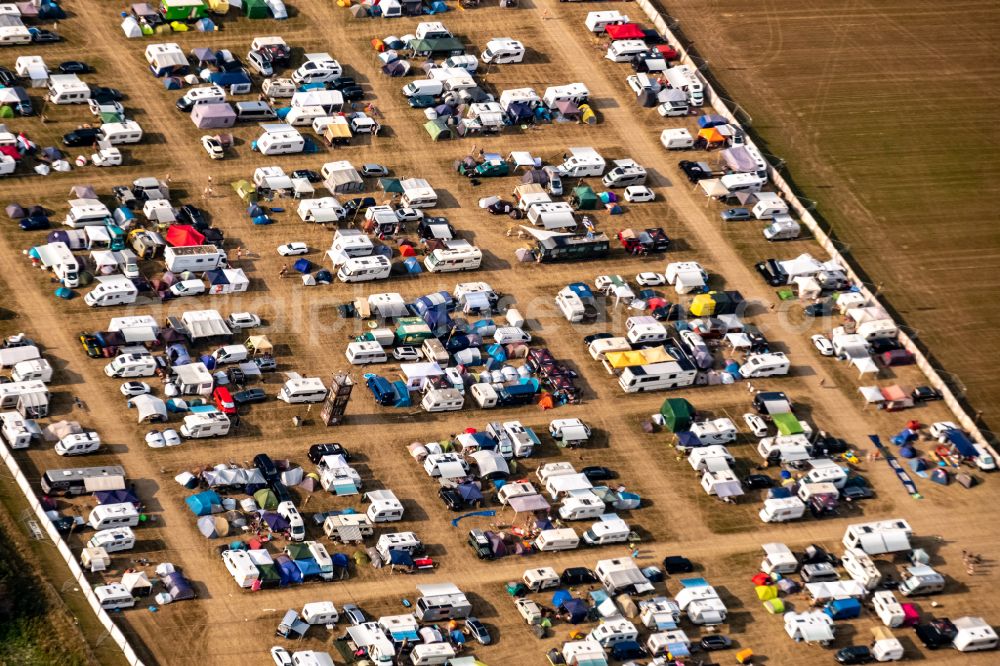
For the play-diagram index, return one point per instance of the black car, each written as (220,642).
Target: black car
(822,309)
(826,446)
(7,78)
(587,339)
(308,174)
(188,214)
(74,67)
(925,394)
(715,642)
(814,554)
(341,82)
(359,204)
(266,363)
(578,576)
(263,462)
(772,272)
(84,136)
(480,544)
(352,93)
(675,564)
(854,654)
(695,171)
(249,396)
(937,633)
(756,481)
(318,451)
(597,473)
(34,224)
(855,493)
(451,499)
(281,491)
(42,36)
(104,94)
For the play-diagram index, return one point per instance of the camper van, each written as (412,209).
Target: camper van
(770,364)
(598,21)
(230,354)
(105,516)
(241,567)
(423,87)
(318,68)
(16,431)
(624,173)
(114,596)
(556,539)
(442,400)
(303,390)
(205,424)
(581,163)
(684,77)
(128,131)
(609,529)
(442,601)
(644,330)
(365,352)
(782,228)
(296,526)
(131,365)
(540,579)
(351,243)
(454,259)
(82,480)
(503,51)
(113,540)
(205,95)
(365,269)
(78,443)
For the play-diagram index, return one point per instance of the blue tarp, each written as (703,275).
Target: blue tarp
(339,560)
(412,265)
(469,492)
(400,557)
(559,597)
(202,504)
(962,443)
(302,265)
(308,567)
(843,609)
(287,570)
(577,610)
(116,497)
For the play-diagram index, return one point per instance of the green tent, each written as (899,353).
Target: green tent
(438,129)
(677,414)
(256,9)
(245,190)
(266,499)
(787,424)
(6,112)
(111,117)
(449,45)
(584,198)
(268,574)
(390,185)
(298,551)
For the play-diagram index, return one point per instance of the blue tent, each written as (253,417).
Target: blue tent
(204,25)
(173,82)
(400,557)
(287,570)
(905,436)
(688,439)
(65,293)
(559,597)
(412,265)
(262,219)
(940,476)
(204,503)
(402,394)
(282,112)
(208,360)
(302,265)
(577,610)
(469,492)
(308,567)
(519,112)
(918,465)
(843,609)
(116,497)
(254,210)
(324,276)
(340,561)
(457,637)
(961,442)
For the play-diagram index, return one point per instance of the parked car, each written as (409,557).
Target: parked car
(341,82)
(34,224)
(266,363)
(854,654)
(421,101)
(249,396)
(937,633)
(822,344)
(406,353)
(188,214)
(577,576)
(826,445)
(772,272)
(855,493)
(308,174)
(43,36)
(7,78)
(675,564)
(587,339)
(480,545)
(213,147)
(409,214)
(243,320)
(374,170)
(281,656)
(597,473)
(132,389)
(822,309)
(73,67)
(267,468)
(293,249)
(925,394)
(694,171)
(319,451)
(737,215)
(105,94)
(352,93)
(354,614)
(650,279)
(715,642)
(478,630)
(451,499)
(82,136)
(757,425)
(757,481)
(639,194)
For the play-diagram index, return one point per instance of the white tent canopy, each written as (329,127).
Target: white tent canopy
(149,407)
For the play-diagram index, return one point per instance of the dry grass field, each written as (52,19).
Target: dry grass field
(226,625)
(879,108)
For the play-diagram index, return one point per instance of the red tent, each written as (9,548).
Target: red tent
(669,52)
(183,235)
(624,31)
(407,251)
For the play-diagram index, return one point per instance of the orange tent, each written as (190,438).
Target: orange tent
(407,251)
(546,402)
(378,45)
(711,135)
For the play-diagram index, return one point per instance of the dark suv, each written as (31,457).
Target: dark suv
(480,544)
(578,576)
(84,136)
(772,272)
(263,462)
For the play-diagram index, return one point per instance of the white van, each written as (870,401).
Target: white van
(303,390)
(78,443)
(230,354)
(609,529)
(365,269)
(131,365)
(428,87)
(205,95)
(113,515)
(205,424)
(113,540)
(503,51)
(771,364)
(454,259)
(296,526)
(128,131)
(442,400)
(364,352)
(582,163)
(558,539)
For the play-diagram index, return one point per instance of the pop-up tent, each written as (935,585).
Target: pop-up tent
(205,503)
(677,414)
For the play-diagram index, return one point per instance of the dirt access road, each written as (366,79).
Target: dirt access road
(227,625)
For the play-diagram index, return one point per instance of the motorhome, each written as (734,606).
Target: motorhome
(194,258)
(104,516)
(770,364)
(564,538)
(67,89)
(349,244)
(624,173)
(609,529)
(365,269)
(302,390)
(454,259)
(205,424)
(782,228)
(684,77)
(581,163)
(503,51)
(82,480)
(598,21)
(58,258)
(131,365)
(17,431)
(575,93)
(296,527)
(113,540)
(658,376)
(79,443)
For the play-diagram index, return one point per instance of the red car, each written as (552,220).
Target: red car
(224,400)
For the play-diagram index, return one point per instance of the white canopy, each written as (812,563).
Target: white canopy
(490,462)
(148,407)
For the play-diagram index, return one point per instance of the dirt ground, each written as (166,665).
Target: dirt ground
(877,108)
(230,626)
